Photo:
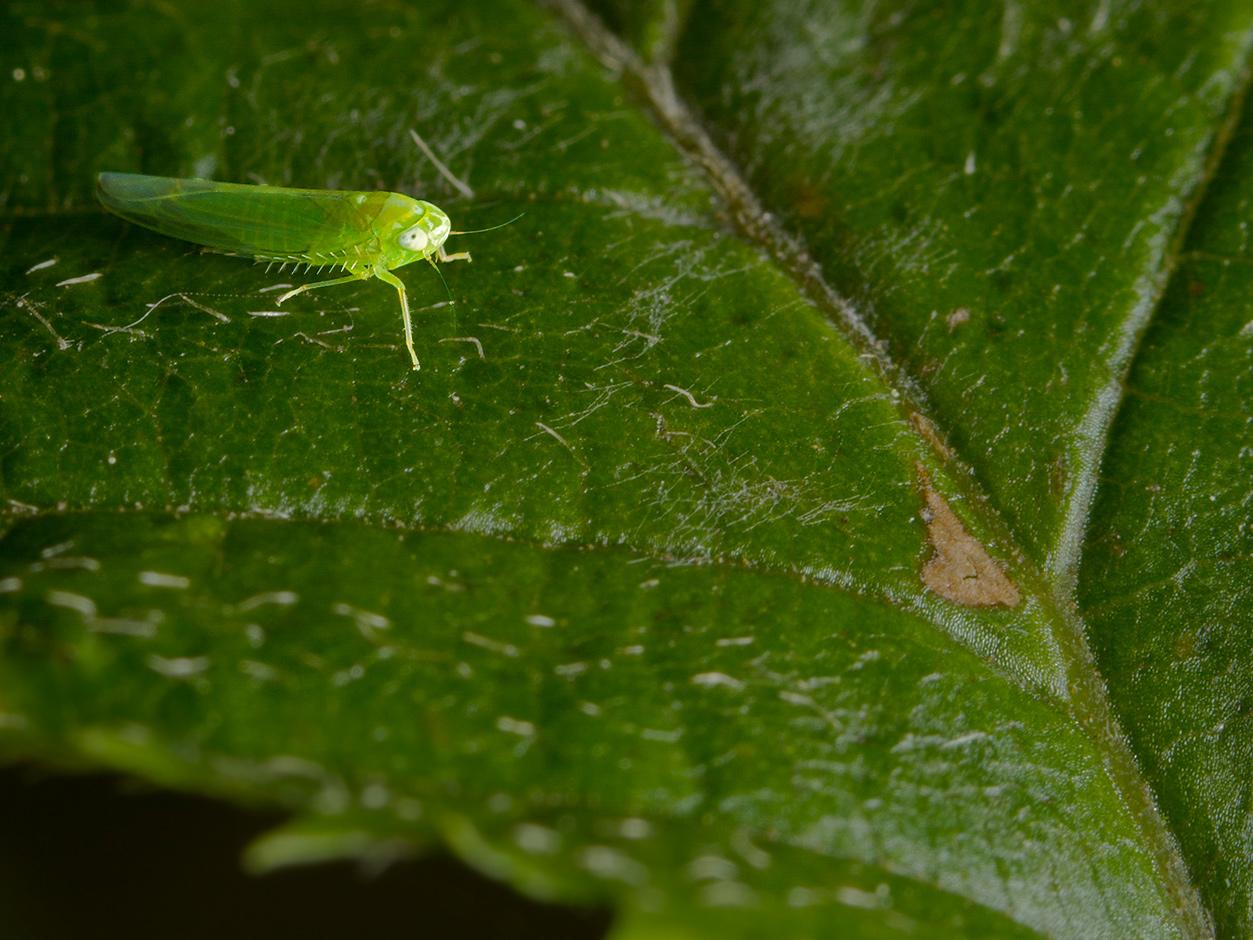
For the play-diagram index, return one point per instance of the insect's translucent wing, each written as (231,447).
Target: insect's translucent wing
(249,220)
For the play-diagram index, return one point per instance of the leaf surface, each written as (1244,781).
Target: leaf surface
(732,557)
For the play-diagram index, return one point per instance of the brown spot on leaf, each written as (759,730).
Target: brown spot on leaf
(961,570)
(1059,475)
(811,202)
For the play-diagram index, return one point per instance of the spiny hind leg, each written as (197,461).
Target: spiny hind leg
(456,256)
(335,280)
(387,276)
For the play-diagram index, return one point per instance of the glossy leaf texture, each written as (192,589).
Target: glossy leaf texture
(800,516)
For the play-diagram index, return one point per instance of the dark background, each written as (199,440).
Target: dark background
(97,856)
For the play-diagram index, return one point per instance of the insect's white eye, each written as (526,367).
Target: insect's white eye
(414,239)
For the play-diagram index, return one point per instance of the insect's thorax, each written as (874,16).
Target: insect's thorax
(389,230)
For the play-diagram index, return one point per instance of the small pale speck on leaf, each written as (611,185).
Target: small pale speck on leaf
(957,318)
(81,279)
(515,726)
(536,839)
(161,579)
(712,679)
(178,667)
(961,570)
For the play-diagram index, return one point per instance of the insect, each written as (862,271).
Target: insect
(364,234)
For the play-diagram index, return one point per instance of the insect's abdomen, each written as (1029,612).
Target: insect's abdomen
(266,222)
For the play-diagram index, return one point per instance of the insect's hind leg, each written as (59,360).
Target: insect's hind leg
(361,275)
(384,275)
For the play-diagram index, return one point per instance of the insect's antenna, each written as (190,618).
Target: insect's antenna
(479,231)
(441,277)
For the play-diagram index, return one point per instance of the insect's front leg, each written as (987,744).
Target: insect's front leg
(456,256)
(384,275)
(357,276)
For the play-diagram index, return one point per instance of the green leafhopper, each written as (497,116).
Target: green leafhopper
(364,234)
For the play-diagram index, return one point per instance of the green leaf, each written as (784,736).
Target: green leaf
(824,512)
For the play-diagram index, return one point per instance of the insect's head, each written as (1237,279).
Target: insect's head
(428,232)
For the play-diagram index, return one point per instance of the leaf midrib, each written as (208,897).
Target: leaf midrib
(1053,586)
(1099,416)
